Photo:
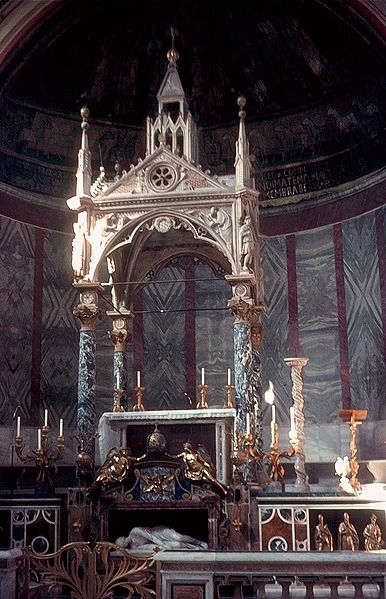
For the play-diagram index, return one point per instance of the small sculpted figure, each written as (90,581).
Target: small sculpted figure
(348,539)
(114,470)
(372,535)
(198,467)
(323,536)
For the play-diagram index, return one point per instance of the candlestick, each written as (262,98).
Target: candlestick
(39,438)
(202,376)
(138,378)
(61,427)
(229,376)
(272,432)
(45,417)
(18,423)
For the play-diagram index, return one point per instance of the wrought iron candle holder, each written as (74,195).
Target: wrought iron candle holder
(229,391)
(45,461)
(118,395)
(353,418)
(138,406)
(202,404)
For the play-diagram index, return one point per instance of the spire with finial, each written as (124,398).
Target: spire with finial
(174,121)
(242,161)
(84,172)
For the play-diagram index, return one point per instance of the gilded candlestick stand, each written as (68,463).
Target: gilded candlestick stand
(202,404)
(353,418)
(44,461)
(118,407)
(229,391)
(138,406)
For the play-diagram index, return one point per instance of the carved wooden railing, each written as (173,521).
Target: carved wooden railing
(89,571)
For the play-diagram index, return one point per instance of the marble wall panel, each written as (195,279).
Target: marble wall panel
(364,315)
(214,334)
(275,323)
(163,375)
(318,325)
(16,312)
(60,331)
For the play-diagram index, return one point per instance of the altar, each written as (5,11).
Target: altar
(212,428)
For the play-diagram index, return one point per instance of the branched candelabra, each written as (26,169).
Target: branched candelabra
(41,456)
(273,457)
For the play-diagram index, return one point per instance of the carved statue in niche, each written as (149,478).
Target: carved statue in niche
(348,539)
(198,467)
(159,537)
(247,244)
(323,536)
(372,535)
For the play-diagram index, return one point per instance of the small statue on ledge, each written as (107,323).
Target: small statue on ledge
(198,467)
(114,470)
(348,539)
(372,535)
(323,536)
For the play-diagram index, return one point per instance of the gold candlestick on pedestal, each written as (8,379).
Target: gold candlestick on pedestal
(202,403)
(229,401)
(138,406)
(354,418)
(118,407)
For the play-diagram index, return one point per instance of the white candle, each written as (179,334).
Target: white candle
(61,427)
(202,376)
(292,420)
(273,413)
(18,422)
(269,395)
(272,432)
(229,376)
(39,438)
(138,378)
(248,424)
(118,380)
(45,417)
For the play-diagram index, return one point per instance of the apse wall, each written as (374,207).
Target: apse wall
(325,292)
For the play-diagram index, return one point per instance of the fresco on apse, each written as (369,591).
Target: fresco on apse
(320,144)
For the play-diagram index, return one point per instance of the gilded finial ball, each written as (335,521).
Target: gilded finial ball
(84,112)
(241,102)
(172,55)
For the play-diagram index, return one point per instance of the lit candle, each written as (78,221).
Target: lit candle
(18,422)
(272,432)
(273,413)
(248,424)
(292,420)
(138,378)
(45,417)
(229,376)
(39,438)
(269,395)
(202,376)
(61,427)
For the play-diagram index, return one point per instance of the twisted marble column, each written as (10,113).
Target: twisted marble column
(88,313)
(297,365)
(256,400)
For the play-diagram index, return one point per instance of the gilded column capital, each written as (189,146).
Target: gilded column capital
(88,315)
(120,335)
(242,310)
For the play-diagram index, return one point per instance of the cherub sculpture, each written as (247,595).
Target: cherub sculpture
(114,470)
(198,467)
